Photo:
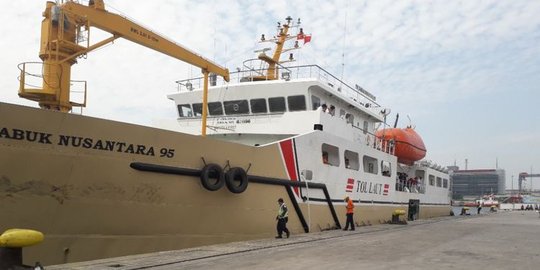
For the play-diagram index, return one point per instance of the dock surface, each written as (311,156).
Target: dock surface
(506,240)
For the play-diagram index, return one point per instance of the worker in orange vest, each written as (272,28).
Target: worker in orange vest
(350,212)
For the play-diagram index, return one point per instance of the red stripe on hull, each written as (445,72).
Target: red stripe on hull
(290,161)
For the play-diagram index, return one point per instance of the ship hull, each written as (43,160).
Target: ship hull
(71,177)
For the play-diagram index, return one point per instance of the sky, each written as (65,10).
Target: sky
(466,73)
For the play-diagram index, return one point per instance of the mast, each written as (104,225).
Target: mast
(282,37)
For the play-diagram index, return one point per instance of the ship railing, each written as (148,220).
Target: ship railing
(405,185)
(251,72)
(255,69)
(378,143)
(32,80)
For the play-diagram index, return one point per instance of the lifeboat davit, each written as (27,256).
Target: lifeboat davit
(409,146)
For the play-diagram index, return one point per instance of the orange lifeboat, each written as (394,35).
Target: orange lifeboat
(409,146)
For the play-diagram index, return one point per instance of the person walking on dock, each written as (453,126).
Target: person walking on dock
(479,208)
(350,212)
(282,218)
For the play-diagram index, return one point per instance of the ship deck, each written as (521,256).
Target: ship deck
(505,240)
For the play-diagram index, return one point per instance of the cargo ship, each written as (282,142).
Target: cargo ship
(98,188)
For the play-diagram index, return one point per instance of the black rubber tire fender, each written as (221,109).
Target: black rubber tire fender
(237,180)
(208,173)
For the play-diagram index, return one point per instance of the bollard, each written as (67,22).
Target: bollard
(395,216)
(11,243)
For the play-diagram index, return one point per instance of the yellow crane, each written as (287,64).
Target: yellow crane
(62,30)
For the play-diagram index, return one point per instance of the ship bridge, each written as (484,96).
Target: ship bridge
(259,112)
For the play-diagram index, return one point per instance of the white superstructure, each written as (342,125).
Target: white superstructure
(359,164)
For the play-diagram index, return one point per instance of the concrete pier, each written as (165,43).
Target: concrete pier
(507,240)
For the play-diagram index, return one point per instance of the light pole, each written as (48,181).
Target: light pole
(531,180)
(512,185)
(512,194)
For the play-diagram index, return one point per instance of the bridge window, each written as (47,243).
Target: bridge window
(297,103)
(330,154)
(370,165)
(215,108)
(236,107)
(439,182)
(197,109)
(351,160)
(386,168)
(277,104)
(184,110)
(445,183)
(315,102)
(258,105)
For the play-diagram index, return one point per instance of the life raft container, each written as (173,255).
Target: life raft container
(408,145)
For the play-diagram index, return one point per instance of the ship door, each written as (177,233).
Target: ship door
(414,209)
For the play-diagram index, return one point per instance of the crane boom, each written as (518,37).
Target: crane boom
(62,27)
(123,27)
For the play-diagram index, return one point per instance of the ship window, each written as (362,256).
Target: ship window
(315,102)
(365,127)
(197,109)
(236,107)
(349,118)
(439,182)
(445,183)
(419,174)
(184,110)
(370,165)
(342,113)
(215,108)
(330,154)
(431,180)
(351,160)
(297,103)
(386,168)
(277,104)
(258,105)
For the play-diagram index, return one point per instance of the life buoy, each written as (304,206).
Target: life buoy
(236,180)
(212,177)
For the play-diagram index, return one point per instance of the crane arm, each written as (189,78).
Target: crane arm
(123,27)
(61,31)
(525,175)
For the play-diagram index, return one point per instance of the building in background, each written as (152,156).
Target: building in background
(476,183)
